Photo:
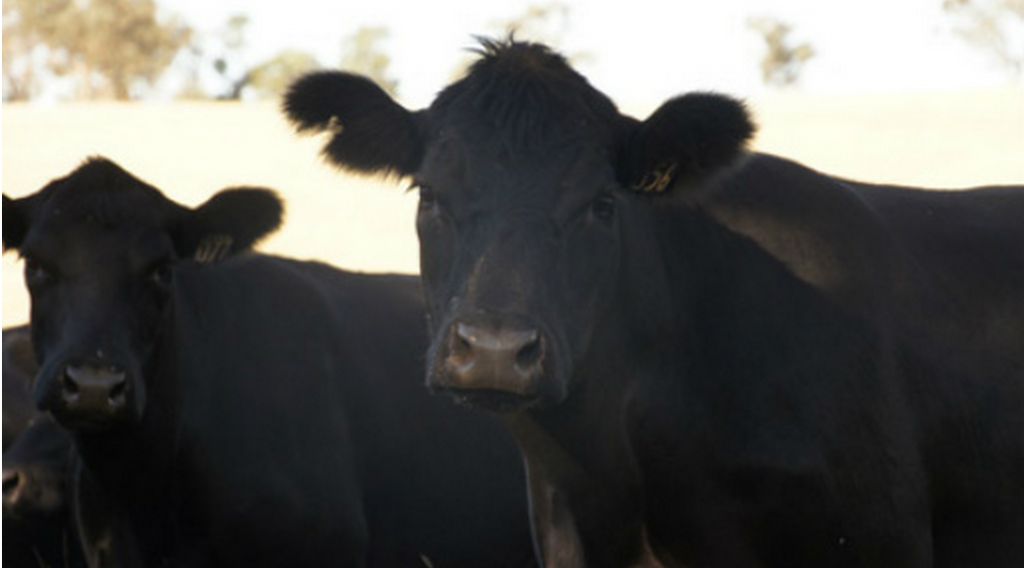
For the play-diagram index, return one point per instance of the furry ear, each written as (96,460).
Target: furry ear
(686,140)
(371,133)
(231,221)
(16,221)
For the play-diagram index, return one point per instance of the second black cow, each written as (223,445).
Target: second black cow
(237,409)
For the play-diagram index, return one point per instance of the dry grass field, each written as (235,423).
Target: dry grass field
(943,140)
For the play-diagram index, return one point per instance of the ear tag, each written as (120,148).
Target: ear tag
(657,180)
(213,248)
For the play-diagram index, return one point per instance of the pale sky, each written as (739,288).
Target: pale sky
(638,50)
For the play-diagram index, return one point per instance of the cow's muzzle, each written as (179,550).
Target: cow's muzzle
(34,472)
(94,396)
(498,367)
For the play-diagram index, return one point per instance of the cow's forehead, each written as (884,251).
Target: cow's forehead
(481,162)
(104,206)
(102,194)
(91,208)
(525,96)
(83,238)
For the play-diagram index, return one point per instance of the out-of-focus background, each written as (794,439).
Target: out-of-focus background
(183,93)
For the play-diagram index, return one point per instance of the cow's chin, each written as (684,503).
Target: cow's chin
(490,400)
(491,393)
(87,423)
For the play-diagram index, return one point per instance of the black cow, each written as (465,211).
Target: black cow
(38,526)
(19,371)
(708,357)
(236,409)
(38,530)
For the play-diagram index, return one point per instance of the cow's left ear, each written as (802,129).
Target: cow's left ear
(370,133)
(17,220)
(232,221)
(14,224)
(688,139)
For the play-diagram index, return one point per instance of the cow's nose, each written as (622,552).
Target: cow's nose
(101,389)
(507,359)
(12,486)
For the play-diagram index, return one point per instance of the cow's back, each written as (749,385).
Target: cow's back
(446,479)
(937,277)
(941,268)
(969,246)
(327,366)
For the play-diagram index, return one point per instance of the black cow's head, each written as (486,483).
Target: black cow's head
(100,249)
(529,181)
(35,468)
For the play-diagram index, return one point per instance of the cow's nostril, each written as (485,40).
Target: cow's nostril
(462,347)
(117,393)
(70,387)
(530,354)
(463,339)
(12,480)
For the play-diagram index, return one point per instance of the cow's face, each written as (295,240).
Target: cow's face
(531,185)
(519,251)
(100,249)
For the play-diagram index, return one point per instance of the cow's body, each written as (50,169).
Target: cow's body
(38,530)
(708,357)
(318,441)
(38,526)
(283,419)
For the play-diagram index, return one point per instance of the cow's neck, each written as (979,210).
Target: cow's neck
(584,490)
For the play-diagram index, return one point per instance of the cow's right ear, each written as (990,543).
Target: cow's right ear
(370,132)
(685,142)
(15,223)
(231,221)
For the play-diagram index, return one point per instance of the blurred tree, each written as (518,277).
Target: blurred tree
(228,64)
(995,26)
(361,53)
(28,27)
(542,23)
(224,53)
(192,62)
(782,62)
(108,46)
(20,81)
(545,23)
(271,78)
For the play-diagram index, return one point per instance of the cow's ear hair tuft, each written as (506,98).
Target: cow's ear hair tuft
(231,221)
(369,132)
(15,224)
(686,141)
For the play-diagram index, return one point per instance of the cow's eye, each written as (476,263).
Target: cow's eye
(162,274)
(604,207)
(35,273)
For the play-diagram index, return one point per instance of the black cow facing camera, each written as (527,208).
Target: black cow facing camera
(99,248)
(236,409)
(708,356)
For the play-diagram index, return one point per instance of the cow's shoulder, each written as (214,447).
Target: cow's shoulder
(819,226)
